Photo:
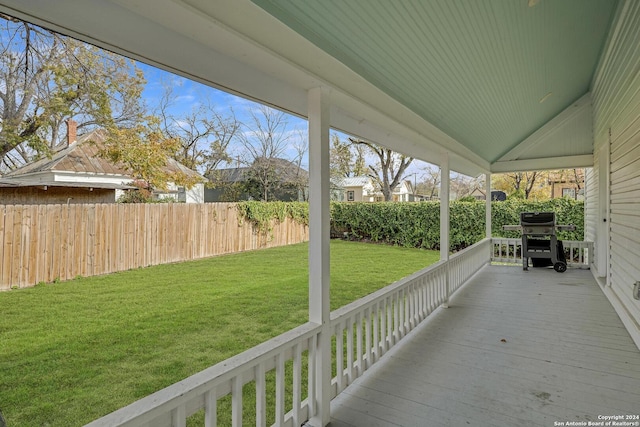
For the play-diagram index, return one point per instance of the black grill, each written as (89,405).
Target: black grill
(539,240)
(538,218)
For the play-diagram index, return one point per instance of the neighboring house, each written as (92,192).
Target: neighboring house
(363,189)
(230,184)
(478,194)
(571,186)
(357,189)
(76,174)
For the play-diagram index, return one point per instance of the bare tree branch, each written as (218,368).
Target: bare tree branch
(390,169)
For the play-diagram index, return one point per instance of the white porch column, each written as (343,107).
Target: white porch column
(319,192)
(444,214)
(487,190)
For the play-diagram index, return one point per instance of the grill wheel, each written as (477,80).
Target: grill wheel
(560,267)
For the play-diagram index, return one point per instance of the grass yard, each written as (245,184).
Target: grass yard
(72,352)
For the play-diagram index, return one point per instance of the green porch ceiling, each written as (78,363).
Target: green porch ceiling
(422,77)
(477,70)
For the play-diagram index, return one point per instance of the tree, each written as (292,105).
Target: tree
(264,144)
(463,185)
(46,78)
(340,158)
(204,134)
(390,169)
(359,163)
(346,159)
(430,186)
(518,184)
(143,150)
(300,177)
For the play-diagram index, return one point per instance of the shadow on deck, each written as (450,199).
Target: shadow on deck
(515,348)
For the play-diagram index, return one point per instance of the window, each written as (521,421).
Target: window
(182,194)
(351,196)
(569,192)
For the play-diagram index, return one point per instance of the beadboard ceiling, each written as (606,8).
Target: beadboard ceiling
(475,69)
(492,82)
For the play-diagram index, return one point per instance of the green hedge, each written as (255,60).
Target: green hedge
(567,211)
(417,224)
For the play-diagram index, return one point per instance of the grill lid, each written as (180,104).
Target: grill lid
(538,218)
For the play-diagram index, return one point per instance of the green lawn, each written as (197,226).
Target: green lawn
(72,352)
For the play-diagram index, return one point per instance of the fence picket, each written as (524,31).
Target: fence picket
(41,243)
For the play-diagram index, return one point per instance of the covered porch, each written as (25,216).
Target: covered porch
(477,87)
(513,348)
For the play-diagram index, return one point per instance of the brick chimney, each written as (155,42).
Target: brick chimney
(72,128)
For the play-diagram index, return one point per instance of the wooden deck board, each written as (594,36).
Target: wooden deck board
(565,357)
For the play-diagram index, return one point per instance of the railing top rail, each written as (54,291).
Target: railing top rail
(578,242)
(375,297)
(380,294)
(154,405)
(471,248)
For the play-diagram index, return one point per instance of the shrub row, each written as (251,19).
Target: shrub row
(417,224)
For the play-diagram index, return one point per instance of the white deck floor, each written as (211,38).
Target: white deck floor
(514,349)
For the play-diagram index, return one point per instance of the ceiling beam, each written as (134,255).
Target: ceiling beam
(576,115)
(543,163)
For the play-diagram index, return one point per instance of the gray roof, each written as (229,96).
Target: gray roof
(355,181)
(286,168)
(82,157)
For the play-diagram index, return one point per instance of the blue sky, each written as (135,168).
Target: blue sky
(191,95)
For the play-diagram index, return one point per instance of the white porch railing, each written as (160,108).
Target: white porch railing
(172,405)
(361,332)
(509,250)
(366,329)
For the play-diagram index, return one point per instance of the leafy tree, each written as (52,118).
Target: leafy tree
(46,78)
(575,177)
(537,185)
(231,191)
(140,195)
(346,159)
(144,150)
(359,163)
(390,169)
(519,184)
(340,158)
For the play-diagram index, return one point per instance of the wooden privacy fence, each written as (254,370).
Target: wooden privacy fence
(44,243)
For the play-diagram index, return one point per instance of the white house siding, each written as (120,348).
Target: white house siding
(616,102)
(358,194)
(195,194)
(590,203)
